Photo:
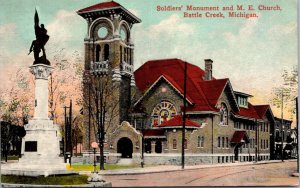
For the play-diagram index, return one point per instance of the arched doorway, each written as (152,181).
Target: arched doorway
(125,147)
(158,147)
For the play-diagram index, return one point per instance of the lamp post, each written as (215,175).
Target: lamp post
(94,146)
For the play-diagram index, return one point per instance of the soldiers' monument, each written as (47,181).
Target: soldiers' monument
(40,146)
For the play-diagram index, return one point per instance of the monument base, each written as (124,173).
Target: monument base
(40,152)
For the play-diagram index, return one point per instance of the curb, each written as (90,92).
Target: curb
(136,171)
(107,184)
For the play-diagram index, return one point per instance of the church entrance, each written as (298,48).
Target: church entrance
(125,147)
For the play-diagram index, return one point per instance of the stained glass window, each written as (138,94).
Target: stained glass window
(223,115)
(163,111)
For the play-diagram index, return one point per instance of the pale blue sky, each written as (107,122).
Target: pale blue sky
(251,52)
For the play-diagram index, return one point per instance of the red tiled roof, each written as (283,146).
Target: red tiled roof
(154,132)
(213,89)
(203,94)
(177,121)
(238,136)
(249,112)
(261,110)
(100,6)
(148,73)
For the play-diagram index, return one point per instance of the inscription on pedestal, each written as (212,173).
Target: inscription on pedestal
(31,146)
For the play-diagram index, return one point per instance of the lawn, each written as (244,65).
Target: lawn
(50,180)
(10,157)
(90,167)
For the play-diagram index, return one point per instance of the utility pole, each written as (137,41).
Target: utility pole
(282,126)
(212,139)
(297,132)
(68,133)
(89,88)
(183,118)
(142,162)
(256,140)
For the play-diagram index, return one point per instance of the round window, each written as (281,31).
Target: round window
(123,34)
(102,32)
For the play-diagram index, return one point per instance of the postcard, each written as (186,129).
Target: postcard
(149,93)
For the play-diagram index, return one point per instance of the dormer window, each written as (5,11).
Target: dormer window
(223,114)
(243,101)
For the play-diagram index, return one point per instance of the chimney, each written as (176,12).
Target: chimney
(208,69)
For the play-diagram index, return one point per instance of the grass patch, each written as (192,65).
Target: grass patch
(50,180)
(90,167)
(10,157)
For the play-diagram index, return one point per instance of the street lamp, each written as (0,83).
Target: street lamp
(94,146)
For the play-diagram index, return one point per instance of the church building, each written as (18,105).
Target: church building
(222,126)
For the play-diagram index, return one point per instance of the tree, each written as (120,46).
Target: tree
(284,97)
(287,92)
(64,82)
(15,102)
(103,103)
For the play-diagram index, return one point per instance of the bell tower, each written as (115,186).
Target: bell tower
(108,53)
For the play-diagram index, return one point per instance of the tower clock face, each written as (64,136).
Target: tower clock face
(102,32)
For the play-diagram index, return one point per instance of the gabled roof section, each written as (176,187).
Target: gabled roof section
(173,69)
(177,122)
(171,82)
(261,110)
(247,113)
(213,90)
(264,111)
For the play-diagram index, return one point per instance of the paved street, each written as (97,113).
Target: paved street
(273,174)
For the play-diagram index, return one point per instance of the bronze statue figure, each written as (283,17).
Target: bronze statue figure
(39,44)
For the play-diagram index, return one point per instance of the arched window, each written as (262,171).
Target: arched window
(163,111)
(223,115)
(174,144)
(125,55)
(106,52)
(130,53)
(121,55)
(98,48)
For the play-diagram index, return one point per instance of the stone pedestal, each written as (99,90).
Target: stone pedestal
(40,146)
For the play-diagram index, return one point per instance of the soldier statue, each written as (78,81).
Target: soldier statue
(38,45)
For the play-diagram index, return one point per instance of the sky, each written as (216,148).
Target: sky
(251,52)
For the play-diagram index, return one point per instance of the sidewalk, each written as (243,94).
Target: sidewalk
(169,168)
